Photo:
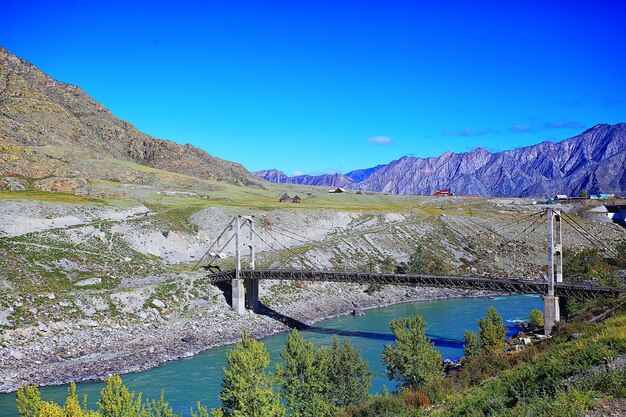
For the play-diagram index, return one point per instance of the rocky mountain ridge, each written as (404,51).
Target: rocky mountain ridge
(62,125)
(348,180)
(594,161)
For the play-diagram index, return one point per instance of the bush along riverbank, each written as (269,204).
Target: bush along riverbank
(581,367)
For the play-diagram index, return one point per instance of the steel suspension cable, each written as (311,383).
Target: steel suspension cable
(515,222)
(304,242)
(290,237)
(280,243)
(221,249)
(265,241)
(214,243)
(581,231)
(592,236)
(531,225)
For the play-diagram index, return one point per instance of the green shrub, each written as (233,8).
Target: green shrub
(492,332)
(471,348)
(588,264)
(570,403)
(425,262)
(413,360)
(379,406)
(536,319)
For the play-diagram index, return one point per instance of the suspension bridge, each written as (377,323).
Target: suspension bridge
(245,281)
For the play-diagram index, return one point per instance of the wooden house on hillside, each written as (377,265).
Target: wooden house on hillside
(336,190)
(296,199)
(285,199)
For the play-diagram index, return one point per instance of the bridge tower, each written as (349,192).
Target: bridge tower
(551,309)
(252,284)
(245,293)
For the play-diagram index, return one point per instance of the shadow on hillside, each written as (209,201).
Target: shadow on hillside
(227,289)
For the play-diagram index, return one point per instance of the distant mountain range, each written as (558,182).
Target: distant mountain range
(335,180)
(594,161)
(58,138)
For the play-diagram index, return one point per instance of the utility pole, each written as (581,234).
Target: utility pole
(555,269)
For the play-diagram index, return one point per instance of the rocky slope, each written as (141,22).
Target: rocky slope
(359,175)
(47,125)
(348,180)
(594,161)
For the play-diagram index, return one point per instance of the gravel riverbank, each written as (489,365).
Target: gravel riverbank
(82,350)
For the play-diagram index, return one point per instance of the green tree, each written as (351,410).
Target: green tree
(29,404)
(72,407)
(303,378)
(247,389)
(583,194)
(417,261)
(158,408)
(28,400)
(492,332)
(380,406)
(116,401)
(424,262)
(536,319)
(202,411)
(588,264)
(387,264)
(413,360)
(348,375)
(472,344)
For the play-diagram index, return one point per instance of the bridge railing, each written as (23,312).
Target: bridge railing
(515,286)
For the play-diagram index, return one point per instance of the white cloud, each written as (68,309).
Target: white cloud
(380,140)
(297,173)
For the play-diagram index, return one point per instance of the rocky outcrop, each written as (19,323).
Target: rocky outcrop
(39,112)
(13,184)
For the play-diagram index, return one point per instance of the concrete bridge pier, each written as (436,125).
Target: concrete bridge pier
(551,313)
(239,293)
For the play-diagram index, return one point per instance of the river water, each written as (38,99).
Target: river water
(188,381)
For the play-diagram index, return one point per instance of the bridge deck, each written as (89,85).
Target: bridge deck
(515,286)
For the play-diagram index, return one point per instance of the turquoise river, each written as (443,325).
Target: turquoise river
(198,378)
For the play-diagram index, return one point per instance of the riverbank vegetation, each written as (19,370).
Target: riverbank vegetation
(589,264)
(583,363)
(414,360)
(561,376)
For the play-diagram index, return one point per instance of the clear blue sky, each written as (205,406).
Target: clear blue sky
(313,86)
